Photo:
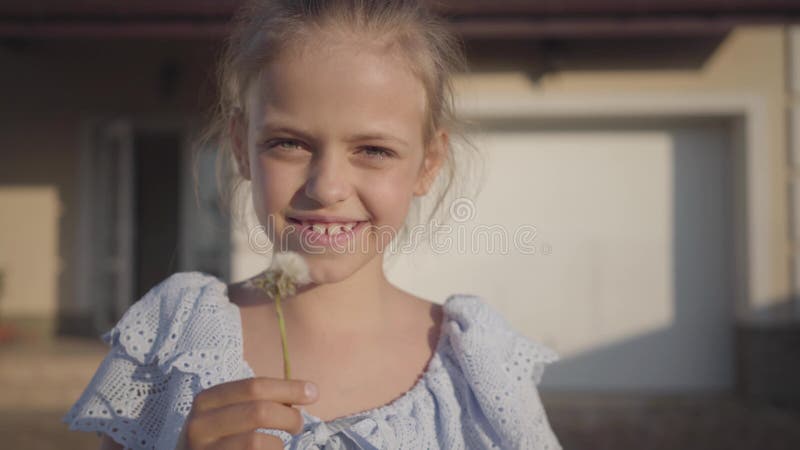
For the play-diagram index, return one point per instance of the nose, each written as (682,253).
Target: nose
(328,182)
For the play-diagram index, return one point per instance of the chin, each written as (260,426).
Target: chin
(333,268)
(328,275)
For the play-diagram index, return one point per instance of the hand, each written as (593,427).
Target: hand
(226,416)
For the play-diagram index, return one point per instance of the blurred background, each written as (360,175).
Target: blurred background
(653,145)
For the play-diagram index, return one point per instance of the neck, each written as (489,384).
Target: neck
(356,305)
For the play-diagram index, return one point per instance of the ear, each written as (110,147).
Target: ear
(237,130)
(435,155)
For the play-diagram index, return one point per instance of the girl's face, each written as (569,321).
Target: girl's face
(333,136)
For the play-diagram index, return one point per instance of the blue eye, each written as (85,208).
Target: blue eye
(289,145)
(377,152)
(284,144)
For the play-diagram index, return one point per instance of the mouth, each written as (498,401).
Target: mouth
(328,226)
(327,233)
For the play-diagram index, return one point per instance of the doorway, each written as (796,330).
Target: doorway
(143,219)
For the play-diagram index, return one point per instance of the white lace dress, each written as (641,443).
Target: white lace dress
(478,391)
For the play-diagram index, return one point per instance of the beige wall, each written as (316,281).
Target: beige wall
(29,240)
(37,192)
(750,62)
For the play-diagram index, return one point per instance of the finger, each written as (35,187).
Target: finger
(231,420)
(289,392)
(249,440)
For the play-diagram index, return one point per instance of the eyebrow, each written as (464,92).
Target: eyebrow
(354,138)
(266,128)
(376,137)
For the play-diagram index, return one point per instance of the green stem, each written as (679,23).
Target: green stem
(287,370)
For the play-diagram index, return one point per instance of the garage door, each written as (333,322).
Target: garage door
(629,271)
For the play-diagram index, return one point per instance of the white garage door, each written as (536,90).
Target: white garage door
(630,279)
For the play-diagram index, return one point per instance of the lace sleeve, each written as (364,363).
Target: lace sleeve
(530,358)
(124,401)
(503,367)
(182,337)
(131,398)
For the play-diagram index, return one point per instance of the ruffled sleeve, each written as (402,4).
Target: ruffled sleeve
(502,368)
(180,337)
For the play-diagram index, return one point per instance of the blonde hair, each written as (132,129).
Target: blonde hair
(263,29)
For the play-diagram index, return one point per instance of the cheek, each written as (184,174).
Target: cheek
(272,189)
(389,197)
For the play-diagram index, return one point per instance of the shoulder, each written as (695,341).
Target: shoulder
(175,293)
(184,312)
(483,340)
(180,337)
(172,292)
(500,367)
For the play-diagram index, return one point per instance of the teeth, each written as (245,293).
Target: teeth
(334,229)
(331,228)
(319,228)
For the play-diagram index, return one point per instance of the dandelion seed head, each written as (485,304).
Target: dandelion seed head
(292,266)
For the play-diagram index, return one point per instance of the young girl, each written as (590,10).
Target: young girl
(339,115)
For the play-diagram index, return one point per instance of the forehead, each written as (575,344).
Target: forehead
(339,85)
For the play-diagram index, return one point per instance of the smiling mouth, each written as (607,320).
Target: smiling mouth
(332,234)
(326,228)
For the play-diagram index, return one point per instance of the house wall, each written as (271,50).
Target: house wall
(750,62)
(50,87)
(49,90)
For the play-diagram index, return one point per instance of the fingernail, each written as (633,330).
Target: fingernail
(311,390)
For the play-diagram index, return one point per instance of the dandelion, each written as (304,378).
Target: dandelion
(285,274)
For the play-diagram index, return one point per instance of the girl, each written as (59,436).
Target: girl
(339,115)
